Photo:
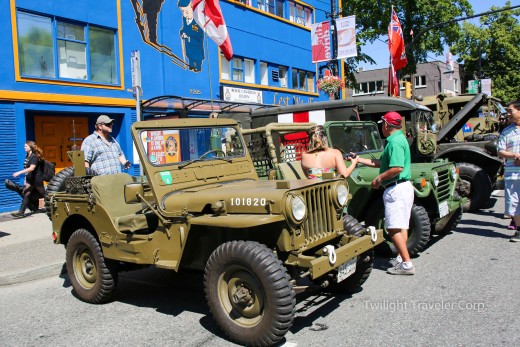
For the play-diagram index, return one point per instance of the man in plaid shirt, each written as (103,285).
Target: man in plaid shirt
(102,152)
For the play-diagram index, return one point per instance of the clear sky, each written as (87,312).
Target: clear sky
(374,50)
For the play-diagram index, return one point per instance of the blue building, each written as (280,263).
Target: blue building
(64,63)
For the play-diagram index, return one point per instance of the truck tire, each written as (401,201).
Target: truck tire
(352,226)
(418,233)
(93,279)
(57,184)
(249,293)
(475,185)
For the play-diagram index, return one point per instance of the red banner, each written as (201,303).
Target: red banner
(320,41)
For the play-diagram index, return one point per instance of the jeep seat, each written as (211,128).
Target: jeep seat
(292,170)
(127,218)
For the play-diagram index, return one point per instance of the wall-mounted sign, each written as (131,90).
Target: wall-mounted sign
(249,96)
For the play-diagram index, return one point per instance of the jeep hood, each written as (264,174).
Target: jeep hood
(252,197)
(457,122)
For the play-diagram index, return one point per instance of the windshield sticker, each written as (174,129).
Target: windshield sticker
(166,177)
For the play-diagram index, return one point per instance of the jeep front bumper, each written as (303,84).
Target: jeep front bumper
(320,265)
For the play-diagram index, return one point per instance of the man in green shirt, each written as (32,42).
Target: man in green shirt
(394,176)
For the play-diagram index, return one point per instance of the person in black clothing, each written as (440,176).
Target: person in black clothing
(33,170)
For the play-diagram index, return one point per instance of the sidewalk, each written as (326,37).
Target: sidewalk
(27,251)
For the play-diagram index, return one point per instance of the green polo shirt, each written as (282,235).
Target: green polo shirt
(396,154)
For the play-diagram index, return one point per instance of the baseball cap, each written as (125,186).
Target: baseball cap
(392,118)
(104,119)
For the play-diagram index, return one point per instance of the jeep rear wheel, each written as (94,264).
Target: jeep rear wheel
(93,279)
(249,293)
(475,185)
(418,232)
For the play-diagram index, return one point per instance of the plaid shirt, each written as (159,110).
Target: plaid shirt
(509,140)
(103,157)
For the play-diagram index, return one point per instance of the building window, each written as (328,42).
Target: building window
(302,80)
(245,2)
(371,87)
(456,85)
(264,74)
(420,81)
(275,7)
(299,14)
(282,76)
(239,69)
(73,51)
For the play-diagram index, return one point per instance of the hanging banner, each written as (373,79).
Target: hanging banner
(320,41)
(346,37)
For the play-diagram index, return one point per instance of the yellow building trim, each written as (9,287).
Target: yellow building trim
(67,99)
(16,58)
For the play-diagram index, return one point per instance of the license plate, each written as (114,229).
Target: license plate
(443,209)
(347,269)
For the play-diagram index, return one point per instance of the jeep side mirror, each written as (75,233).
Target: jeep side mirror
(132,193)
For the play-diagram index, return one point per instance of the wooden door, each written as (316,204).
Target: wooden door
(55,136)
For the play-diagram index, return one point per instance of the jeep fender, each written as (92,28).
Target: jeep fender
(473,155)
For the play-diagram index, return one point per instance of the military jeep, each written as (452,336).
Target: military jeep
(201,206)
(276,151)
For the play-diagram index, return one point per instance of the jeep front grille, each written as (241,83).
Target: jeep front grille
(443,189)
(321,217)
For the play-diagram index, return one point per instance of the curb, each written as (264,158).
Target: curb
(33,274)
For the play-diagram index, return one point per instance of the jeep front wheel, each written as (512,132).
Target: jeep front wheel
(249,293)
(93,279)
(418,232)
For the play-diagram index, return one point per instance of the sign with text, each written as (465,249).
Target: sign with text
(346,37)
(486,86)
(320,42)
(248,96)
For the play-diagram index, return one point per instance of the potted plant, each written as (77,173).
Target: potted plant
(330,85)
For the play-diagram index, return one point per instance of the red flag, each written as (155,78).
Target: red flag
(393,83)
(396,43)
(208,15)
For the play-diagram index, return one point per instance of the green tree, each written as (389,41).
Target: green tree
(491,50)
(373,18)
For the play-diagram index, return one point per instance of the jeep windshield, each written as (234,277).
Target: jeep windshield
(357,137)
(184,146)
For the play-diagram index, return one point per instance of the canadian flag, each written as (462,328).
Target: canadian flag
(208,15)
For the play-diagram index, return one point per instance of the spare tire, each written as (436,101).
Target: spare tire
(57,184)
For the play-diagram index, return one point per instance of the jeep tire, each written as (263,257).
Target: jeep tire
(418,233)
(57,184)
(475,185)
(249,293)
(93,279)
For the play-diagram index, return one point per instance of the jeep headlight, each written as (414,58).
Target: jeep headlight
(435,178)
(454,173)
(297,209)
(340,194)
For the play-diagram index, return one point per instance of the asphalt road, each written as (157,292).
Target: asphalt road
(465,293)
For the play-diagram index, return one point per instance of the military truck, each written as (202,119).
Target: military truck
(276,150)
(201,206)
(483,124)
(478,165)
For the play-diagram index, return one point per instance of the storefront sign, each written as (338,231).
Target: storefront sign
(248,96)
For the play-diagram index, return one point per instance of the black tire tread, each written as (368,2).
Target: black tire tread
(479,196)
(104,289)
(279,294)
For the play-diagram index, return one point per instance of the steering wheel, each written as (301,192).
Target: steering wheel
(204,155)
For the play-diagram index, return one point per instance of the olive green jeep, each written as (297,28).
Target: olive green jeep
(201,205)
(276,151)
